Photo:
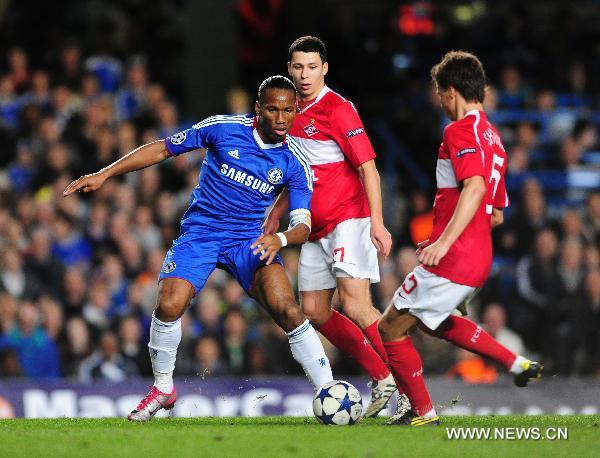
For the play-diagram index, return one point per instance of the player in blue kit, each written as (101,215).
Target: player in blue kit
(248,162)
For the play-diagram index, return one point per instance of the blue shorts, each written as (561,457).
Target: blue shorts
(194,255)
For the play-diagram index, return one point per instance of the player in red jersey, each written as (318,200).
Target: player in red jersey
(457,258)
(347,223)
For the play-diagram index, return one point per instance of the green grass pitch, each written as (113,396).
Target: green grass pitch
(287,437)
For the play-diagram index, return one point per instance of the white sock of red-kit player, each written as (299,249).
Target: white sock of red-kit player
(308,350)
(164,340)
(517,365)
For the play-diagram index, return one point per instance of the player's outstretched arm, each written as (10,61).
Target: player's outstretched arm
(272,221)
(470,198)
(269,245)
(379,234)
(142,157)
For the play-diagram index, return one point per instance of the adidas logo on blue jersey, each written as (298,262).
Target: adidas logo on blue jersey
(234,153)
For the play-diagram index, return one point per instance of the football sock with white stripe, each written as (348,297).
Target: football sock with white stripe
(164,340)
(308,350)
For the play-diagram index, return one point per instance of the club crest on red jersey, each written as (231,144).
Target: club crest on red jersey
(310,129)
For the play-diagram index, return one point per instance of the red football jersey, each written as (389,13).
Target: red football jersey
(335,142)
(471,146)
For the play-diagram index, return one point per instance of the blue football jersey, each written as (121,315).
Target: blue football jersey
(241,175)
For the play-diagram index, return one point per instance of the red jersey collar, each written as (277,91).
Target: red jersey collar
(304,106)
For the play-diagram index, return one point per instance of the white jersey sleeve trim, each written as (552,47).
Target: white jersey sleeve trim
(301,158)
(222,119)
(299,216)
(475,124)
(444,174)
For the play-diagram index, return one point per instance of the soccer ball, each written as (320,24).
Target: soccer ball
(337,403)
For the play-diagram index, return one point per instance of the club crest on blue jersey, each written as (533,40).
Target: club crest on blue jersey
(275,175)
(178,138)
(169,267)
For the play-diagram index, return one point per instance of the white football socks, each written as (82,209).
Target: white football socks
(304,343)
(517,365)
(308,350)
(164,340)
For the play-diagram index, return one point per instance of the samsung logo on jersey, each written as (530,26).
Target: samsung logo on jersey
(462,152)
(355,132)
(247,180)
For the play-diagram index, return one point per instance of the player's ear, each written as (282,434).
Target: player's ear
(325,68)
(256,108)
(289,68)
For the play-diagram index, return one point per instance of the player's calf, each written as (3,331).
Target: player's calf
(165,330)
(468,335)
(273,291)
(404,360)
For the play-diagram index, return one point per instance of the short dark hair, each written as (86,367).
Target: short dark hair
(308,43)
(464,72)
(275,82)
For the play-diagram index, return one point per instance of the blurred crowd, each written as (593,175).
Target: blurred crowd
(78,274)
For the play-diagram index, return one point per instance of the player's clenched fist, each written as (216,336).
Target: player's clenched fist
(86,183)
(267,246)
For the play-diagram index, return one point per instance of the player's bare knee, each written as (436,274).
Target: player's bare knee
(384,329)
(351,298)
(390,325)
(317,315)
(169,309)
(290,317)
(354,309)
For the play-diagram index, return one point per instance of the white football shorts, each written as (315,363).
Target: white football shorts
(430,298)
(347,251)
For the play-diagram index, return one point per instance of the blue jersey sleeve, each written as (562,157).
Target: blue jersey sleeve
(201,135)
(299,179)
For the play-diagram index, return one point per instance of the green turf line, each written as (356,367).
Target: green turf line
(287,436)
